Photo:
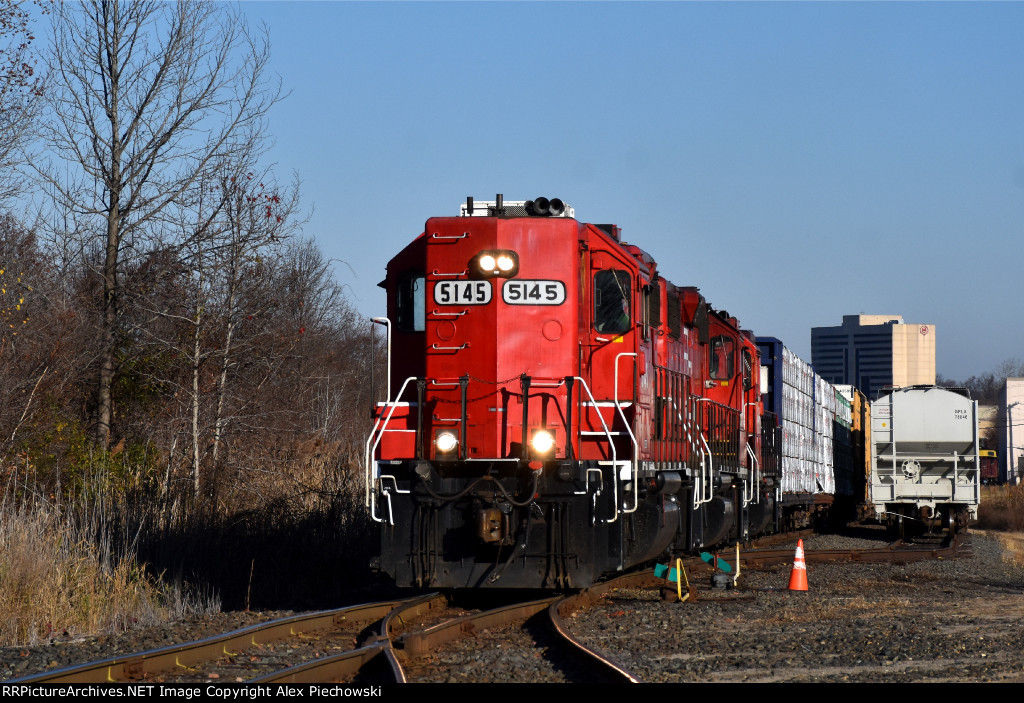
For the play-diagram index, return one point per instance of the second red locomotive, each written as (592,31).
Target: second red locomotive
(557,410)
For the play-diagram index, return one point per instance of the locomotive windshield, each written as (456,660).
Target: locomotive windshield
(611,301)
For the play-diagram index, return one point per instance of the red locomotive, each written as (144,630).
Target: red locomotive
(557,410)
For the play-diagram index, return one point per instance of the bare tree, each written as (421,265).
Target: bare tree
(145,97)
(20,92)
(259,217)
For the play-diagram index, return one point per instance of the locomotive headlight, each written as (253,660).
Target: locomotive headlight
(543,442)
(487,262)
(500,262)
(446,442)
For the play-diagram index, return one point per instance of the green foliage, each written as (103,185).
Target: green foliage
(141,384)
(58,455)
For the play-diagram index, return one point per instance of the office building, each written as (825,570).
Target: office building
(873,351)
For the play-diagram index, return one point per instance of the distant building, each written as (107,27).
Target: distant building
(988,426)
(872,351)
(1011,430)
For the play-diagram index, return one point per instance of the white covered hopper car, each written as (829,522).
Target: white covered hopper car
(925,468)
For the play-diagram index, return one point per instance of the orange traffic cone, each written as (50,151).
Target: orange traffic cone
(798,575)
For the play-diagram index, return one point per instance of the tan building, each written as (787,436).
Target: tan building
(1011,430)
(872,351)
(988,426)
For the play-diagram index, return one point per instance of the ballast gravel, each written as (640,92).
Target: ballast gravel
(955,620)
(941,620)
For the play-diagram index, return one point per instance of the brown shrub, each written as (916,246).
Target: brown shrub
(1002,508)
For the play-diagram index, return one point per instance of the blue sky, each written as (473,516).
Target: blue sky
(796,161)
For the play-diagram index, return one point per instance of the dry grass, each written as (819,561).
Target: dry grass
(1001,513)
(1012,542)
(60,576)
(115,556)
(1002,508)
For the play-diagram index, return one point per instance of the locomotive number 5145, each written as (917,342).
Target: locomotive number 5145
(462,292)
(524,292)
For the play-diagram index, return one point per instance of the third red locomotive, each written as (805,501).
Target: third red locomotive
(557,410)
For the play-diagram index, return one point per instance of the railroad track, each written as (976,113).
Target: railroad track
(371,643)
(398,641)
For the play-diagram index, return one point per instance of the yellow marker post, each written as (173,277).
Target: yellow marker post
(737,576)
(680,570)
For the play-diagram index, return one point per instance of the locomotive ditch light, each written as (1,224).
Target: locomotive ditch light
(446,442)
(500,262)
(543,443)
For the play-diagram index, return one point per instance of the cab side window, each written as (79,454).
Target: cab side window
(748,370)
(720,359)
(412,302)
(611,301)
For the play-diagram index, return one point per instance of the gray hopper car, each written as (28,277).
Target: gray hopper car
(925,468)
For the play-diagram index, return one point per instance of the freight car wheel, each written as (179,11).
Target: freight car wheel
(960,520)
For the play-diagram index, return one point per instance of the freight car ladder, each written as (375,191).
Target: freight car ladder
(883,470)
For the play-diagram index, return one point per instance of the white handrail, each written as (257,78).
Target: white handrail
(635,469)
(611,444)
(710,469)
(387,323)
(694,448)
(707,471)
(755,467)
(368,455)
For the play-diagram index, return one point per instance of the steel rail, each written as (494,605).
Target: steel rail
(415,644)
(390,625)
(569,604)
(754,558)
(345,665)
(338,667)
(154,662)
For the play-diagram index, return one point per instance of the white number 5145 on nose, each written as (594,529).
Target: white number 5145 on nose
(523,292)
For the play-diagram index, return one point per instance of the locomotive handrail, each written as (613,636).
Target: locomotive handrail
(534,384)
(387,495)
(611,444)
(435,272)
(435,235)
(710,468)
(757,480)
(458,348)
(437,312)
(635,469)
(380,424)
(707,470)
(755,466)
(387,323)
(694,448)
(597,493)
(754,471)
